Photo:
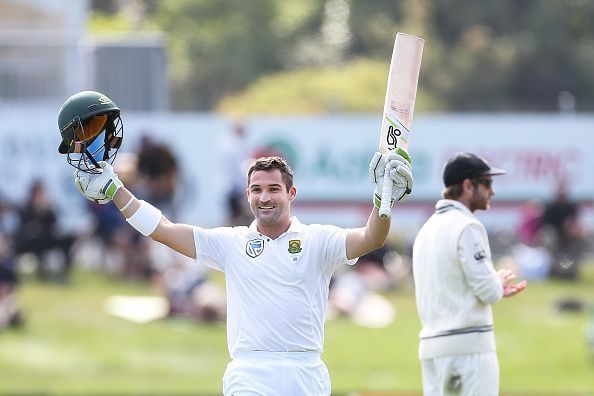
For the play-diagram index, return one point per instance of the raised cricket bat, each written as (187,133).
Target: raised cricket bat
(399,106)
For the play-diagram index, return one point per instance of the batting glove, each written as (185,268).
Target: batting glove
(400,168)
(98,187)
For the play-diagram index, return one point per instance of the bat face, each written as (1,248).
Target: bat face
(401,92)
(396,135)
(399,106)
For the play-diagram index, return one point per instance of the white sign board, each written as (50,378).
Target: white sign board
(330,156)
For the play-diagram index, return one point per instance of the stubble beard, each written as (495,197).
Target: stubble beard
(268,219)
(479,202)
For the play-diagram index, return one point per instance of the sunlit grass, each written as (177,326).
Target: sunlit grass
(71,346)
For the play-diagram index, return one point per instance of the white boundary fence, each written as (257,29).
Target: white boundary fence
(330,155)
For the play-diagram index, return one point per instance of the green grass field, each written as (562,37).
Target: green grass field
(70,346)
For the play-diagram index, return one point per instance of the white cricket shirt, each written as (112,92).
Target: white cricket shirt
(455,283)
(277,290)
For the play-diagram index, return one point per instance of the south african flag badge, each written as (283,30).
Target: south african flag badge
(295,246)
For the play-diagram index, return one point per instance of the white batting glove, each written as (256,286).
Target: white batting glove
(400,173)
(98,187)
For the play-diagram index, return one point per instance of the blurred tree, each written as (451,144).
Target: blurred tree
(511,55)
(105,6)
(376,22)
(532,55)
(220,46)
(358,86)
(355,87)
(558,58)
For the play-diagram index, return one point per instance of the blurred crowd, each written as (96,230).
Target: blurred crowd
(153,174)
(29,233)
(32,242)
(550,240)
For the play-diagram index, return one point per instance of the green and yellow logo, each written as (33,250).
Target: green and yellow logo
(295,246)
(104,100)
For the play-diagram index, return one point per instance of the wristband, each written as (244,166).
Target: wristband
(111,187)
(146,219)
(127,204)
(377,200)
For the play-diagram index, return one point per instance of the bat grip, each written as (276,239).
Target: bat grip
(385,210)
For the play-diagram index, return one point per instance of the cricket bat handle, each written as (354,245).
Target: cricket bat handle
(385,210)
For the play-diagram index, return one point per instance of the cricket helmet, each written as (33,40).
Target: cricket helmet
(91,130)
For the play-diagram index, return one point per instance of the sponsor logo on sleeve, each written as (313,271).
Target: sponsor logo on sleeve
(480,255)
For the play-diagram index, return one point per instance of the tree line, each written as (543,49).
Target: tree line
(307,56)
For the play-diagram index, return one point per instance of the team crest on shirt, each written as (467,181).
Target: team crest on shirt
(254,247)
(295,246)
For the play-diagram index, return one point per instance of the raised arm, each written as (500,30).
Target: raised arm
(148,220)
(366,239)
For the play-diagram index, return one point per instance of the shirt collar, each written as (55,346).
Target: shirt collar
(296,226)
(443,204)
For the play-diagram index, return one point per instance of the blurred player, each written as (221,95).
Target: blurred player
(456,283)
(277,270)
(235,157)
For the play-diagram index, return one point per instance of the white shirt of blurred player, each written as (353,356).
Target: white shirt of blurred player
(235,158)
(455,283)
(277,290)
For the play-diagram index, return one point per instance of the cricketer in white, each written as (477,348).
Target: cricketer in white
(456,283)
(277,271)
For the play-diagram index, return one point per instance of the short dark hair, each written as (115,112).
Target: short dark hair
(455,190)
(271,163)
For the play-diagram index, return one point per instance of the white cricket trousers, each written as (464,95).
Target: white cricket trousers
(466,375)
(276,374)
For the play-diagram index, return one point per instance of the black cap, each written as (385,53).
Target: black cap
(467,166)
